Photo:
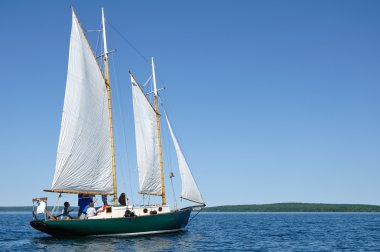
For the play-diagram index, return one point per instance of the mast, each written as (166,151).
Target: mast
(159,135)
(108,87)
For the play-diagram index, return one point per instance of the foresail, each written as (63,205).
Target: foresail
(84,151)
(146,142)
(190,189)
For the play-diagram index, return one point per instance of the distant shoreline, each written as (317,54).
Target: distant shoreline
(295,207)
(277,207)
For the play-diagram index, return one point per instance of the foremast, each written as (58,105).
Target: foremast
(163,194)
(108,87)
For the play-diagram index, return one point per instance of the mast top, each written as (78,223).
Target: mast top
(154,79)
(104,36)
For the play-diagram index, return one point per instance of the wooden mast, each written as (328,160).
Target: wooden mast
(108,87)
(159,135)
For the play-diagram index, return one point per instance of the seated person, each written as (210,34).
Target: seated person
(123,199)
(91,211)
(66,210)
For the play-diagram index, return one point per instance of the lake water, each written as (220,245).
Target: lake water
(217,232)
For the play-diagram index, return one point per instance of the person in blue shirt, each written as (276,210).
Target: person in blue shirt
(84,201)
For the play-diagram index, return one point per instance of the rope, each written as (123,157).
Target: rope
(121,112)
(168,146)
(150,77)
(196,214)
(128,42)
(147,61)
(117,93)
(97,42)
(57,204)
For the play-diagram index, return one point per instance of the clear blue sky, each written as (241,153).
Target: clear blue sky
(273,101)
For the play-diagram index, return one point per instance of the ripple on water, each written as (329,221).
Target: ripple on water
(217,232)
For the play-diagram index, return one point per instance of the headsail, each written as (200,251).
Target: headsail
(84,153)
(190,189)
(147,147)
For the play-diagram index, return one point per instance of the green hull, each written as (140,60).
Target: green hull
(159,223)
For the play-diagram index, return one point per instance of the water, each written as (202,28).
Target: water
(217,232)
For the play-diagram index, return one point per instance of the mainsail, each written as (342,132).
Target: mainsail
(84,151)
(190,189)
(147,147)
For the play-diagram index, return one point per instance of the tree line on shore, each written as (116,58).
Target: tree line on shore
(295,207)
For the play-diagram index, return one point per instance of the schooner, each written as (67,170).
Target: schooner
(85,162)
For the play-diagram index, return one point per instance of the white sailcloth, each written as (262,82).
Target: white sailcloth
(84,151)
(190,189)
(146,142)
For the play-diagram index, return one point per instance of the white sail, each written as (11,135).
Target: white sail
(190,189)
(146,142)
(84,151)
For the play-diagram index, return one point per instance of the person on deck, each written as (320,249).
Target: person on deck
(66,211)
(91,211)
(123,200)
(105,203)
(84,201)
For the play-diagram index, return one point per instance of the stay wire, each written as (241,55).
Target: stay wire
(57,204)
(147,61)
(169,151)
(128,42)
(196,214)
(97,42)
(122,112)
(117,94)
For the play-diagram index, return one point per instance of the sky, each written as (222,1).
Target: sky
(272,101)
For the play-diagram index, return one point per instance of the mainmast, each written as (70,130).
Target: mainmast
(159,135)
(108,87)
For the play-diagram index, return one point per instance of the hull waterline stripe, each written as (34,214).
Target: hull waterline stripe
(144,233)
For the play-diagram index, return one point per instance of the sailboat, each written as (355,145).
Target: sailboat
(85,162)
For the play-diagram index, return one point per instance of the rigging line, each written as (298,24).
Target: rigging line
(122,112)
(171,168)
(117,93)
(160,80)
(57,205)
(133,47)
(174,195)
(128,42)
(150,77)
(168,146)
(170,164)
(97,42)
(101,63)
(196,214)
(173,129)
